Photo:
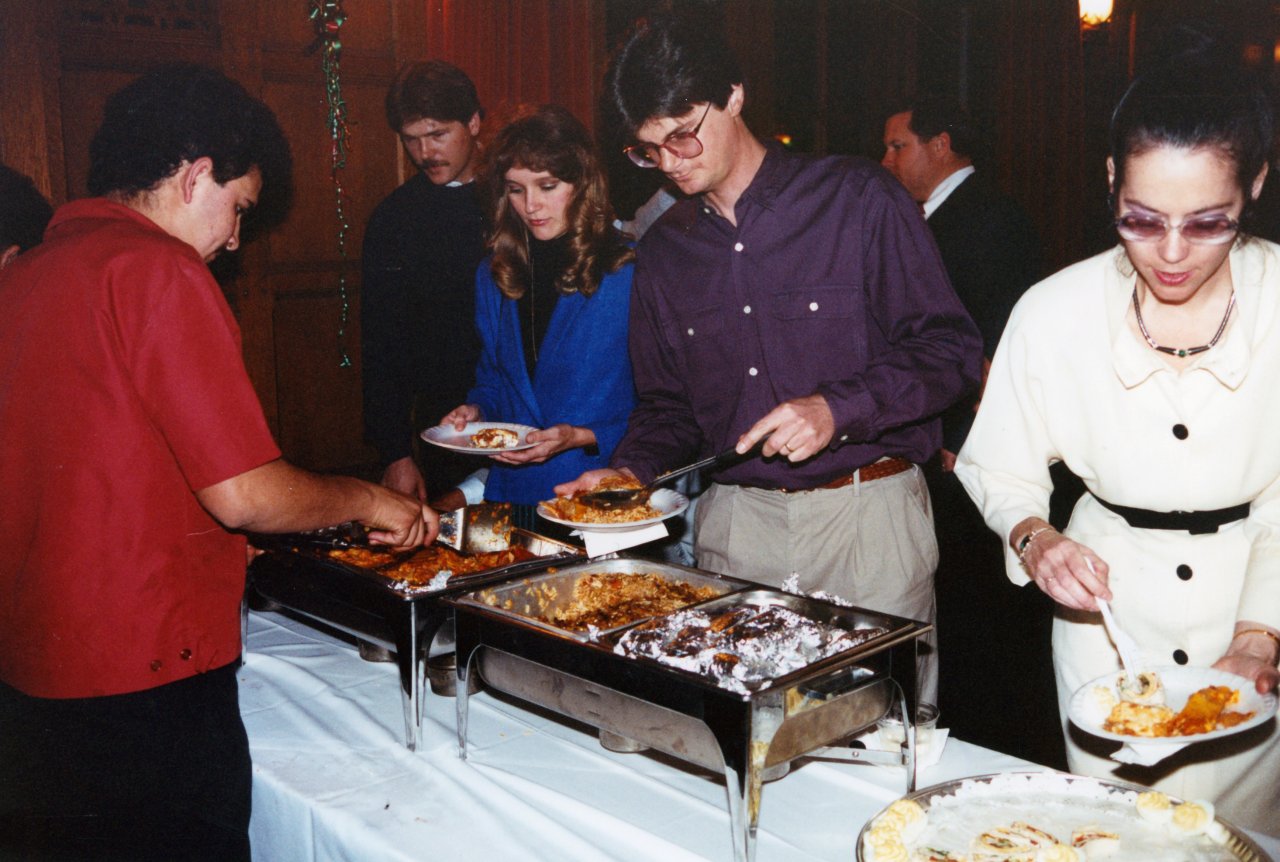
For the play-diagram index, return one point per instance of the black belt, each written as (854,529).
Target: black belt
(1195,523)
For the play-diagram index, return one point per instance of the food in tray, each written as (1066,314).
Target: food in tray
(365,558)
(605,600)
(430,566)
(571,509)
(742,646)
(1138,713)
(495,438)
(1044,817)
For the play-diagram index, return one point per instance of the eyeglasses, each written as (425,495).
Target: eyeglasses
(684,145)
(1208,230)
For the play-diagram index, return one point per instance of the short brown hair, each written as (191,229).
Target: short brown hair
(434,89)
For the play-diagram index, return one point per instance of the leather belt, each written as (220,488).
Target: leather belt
(881,469)
(1195,523)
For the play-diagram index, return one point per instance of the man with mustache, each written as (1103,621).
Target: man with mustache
(421,249)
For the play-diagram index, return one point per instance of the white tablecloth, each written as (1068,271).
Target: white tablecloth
(333,780)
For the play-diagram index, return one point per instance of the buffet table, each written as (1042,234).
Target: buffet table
(334,781)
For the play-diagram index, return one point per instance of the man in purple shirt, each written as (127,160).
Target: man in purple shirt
(796,301)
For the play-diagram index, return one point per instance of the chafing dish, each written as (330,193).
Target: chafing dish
(682,713)
(361,602)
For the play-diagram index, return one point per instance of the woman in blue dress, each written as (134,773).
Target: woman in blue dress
(552,302)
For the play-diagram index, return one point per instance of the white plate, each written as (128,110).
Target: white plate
(1179,684)
(669,503)
(446,437)
(1059,804)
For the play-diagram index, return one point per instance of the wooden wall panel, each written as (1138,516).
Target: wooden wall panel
(515,49)
(84,92)
(1039,94)
(310,236)
(29,129)
(319,402)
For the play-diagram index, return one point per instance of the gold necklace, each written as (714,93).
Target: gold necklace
(1181,352)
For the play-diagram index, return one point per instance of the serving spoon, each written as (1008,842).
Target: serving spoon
(627,498)
(1130,654)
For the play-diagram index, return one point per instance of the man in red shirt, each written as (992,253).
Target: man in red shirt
(134,442)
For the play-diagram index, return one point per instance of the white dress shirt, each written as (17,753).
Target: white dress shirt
(943,189)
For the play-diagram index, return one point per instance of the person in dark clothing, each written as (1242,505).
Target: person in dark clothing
(992,254)
(23,214)
(421,249)
(790,298)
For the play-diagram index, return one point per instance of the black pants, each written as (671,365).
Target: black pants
(996,684)
(162,774)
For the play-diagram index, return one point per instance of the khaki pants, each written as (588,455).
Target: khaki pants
(870,543)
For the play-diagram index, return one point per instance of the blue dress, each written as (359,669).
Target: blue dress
(583,378)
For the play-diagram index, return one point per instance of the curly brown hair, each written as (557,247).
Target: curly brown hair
(551,139)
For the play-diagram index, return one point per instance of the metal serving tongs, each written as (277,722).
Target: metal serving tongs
(473,529)
(627,498)
(476,529)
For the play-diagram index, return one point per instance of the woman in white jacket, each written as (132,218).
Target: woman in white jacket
(1153,371)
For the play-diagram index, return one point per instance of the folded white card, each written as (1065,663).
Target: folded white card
(598,543)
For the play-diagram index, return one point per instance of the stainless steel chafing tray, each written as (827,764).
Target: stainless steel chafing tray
(374,608)
(683,713)
(536,599)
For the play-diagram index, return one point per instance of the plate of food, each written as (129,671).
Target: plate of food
(1170,704)
(663,503)
(1050,816)
(481,438)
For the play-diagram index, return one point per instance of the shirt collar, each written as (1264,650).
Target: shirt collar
(1229,359)
(943,189)
(768,182)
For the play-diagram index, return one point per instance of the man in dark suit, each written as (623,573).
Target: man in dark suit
(986,628)
(988,246)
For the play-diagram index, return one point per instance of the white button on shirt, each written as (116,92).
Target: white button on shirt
(753,372)
(737,246)
(813,306)
(746,309)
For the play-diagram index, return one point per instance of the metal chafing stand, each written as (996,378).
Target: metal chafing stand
(681,713)
(369,606)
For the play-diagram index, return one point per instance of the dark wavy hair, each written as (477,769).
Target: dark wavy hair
(667,65)
(433,89)
(551,139)
(24,212)
(182,112)
(1198,99)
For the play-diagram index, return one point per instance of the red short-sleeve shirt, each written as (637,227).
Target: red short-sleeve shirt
(122,392)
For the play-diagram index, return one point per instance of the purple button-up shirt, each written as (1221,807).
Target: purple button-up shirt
(830,283)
